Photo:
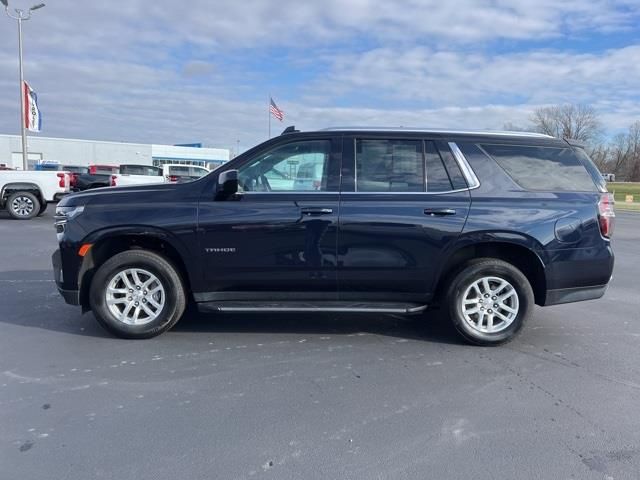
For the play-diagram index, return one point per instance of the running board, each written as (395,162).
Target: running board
(347,307)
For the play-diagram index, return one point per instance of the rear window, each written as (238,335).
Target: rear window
(140,170)
(179,170)
(103,170)
(542,168)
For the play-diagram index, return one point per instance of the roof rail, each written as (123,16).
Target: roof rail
(441,130)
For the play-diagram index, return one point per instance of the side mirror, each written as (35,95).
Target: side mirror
(227,183)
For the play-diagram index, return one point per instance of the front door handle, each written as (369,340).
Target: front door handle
(439,212)
(316,211)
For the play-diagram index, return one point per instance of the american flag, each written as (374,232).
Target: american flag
(275,111)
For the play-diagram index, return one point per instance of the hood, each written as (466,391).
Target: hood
(105,194)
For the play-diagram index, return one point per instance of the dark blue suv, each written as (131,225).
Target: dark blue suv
(485,224)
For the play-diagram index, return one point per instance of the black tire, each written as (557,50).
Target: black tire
(43,208)
(23,210)
(476,270)
(163,270)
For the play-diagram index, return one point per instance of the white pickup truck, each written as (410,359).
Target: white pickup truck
(137,175)
(146,174)
(25,194)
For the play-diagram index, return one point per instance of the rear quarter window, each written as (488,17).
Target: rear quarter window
(542,168)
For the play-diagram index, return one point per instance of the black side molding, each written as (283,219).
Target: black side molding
(579,294)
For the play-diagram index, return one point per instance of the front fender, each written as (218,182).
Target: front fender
(145,237)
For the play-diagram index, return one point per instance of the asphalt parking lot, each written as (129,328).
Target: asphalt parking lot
(323,396)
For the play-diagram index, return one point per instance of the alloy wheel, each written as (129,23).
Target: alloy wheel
(490,304)
(135,296)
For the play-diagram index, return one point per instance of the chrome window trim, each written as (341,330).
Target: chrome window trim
(407,193)
(289,192)
(465,168)
(470,177)
(312,192)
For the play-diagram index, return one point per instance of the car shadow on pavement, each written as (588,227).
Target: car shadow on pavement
(30,298)
(429,327)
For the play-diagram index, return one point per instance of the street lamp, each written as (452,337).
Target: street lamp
(21,15)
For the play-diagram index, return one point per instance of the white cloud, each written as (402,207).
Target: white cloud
(447,77)
(156,72)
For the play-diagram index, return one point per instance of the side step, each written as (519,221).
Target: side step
(298,306)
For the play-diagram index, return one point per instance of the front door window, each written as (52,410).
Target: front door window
(295,167)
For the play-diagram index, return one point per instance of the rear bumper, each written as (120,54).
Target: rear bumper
(579,294)
(59,196)
(72,297)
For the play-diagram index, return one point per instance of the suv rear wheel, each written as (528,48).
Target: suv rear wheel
(137,294)
(489,301)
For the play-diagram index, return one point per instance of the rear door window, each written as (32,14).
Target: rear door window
(542,168)
(389,166)
(453,169)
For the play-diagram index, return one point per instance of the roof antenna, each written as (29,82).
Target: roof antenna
(290,129)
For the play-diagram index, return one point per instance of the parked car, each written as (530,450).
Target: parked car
(183,173)
(26,194)
(137,175)
(485,225)
(74,172)
(98,176)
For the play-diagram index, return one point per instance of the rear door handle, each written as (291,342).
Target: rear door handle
(316,211)
(439,212)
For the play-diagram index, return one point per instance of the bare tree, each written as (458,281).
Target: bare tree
(624,154)
(601,155)
(579,122)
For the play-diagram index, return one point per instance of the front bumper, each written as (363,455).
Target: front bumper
(72,297)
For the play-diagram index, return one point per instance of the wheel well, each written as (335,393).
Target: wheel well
(105,249)
(12,188)
(520,257)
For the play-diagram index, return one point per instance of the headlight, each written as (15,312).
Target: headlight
(64,214)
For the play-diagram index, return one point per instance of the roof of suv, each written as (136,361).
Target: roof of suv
(440,131)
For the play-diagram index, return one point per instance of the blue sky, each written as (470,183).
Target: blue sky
(170,72)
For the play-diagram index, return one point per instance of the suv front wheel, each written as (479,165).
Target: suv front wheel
(137,294)
(489,301)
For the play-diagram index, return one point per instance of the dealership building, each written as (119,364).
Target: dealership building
(67,151)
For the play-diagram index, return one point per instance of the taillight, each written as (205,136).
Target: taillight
(114,182)
(73,179)
(61,182)
(174,178)
(606,214)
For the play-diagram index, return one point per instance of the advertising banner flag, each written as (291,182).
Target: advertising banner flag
(32,117)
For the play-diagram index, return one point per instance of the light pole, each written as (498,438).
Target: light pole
(21,15)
